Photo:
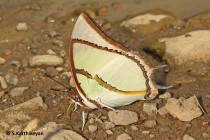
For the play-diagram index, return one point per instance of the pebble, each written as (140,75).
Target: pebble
(53,34)
(123,136)
(90,13)
(7,52)
(2,60)
(163,111)
(150,109)
(166,95)
(163,128)
(206,136)
(50,60)
(51,52)
(108,125)
(92,128)
(12,79)
(178,24)
(68,74)
(123,117)
(188,137)
(91,121)
(15,63)
(59,69)
(1,94)
(22,26)
(33,7)
(109,132)
(150,123)
(164,121)
(91,115)
(188,125)
(135,128)
(71,82)
(151,135)
(3,82)
(184,109)
(51,71)
(57,42)
(18,91)
(4,100)
(63,53)
(145,132)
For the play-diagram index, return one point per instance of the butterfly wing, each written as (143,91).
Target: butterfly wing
(105,71)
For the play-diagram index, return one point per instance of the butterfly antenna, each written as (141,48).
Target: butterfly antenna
(56,80)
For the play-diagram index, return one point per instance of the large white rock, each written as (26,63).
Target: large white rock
(143,20)
(193,46)
(183,109)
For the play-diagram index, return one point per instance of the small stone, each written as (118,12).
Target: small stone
(163,128)
(188,125)
(1,94)
(206,136)
(90,13)
(50,60)
(106,26)
(123,136)
(3,82)
(4,100)
(188,137)
(92,128)
(150,109)
(150,123)
(109,132)
(59,69)
(71,82)
(123,117)
(151,135)
(91,115)
(91,121)
(54,102)
(53,34)
(166,95)
(2,60)
(7,52)
(145,132)
(98,120)
(63,53)
(163,111)
(184,109)
(51,52)
(15,63)
(108,125)
(22,26)
(178,24)
(18,91)
(68,74)
(103,117)
(57,42)
(133,127)
(52,71)
(12,79)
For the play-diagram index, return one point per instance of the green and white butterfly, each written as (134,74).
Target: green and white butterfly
(105,73)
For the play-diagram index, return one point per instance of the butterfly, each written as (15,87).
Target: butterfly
(105,73)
